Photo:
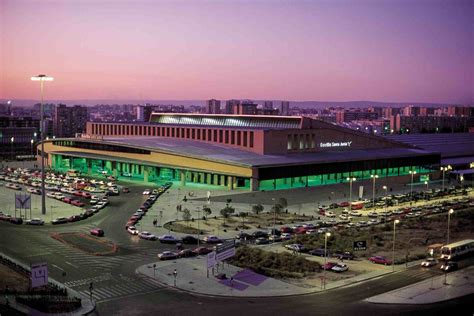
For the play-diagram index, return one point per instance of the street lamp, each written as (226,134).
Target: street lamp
(274,218)
(42,79)
(199,231)
(412,173)
(395,222)
(328,234)
(451,211)
(350,179)
(11,147)
(31,141)
(385,204)
(444,169)
(373,176)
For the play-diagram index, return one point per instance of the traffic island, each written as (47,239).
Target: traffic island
(86,243)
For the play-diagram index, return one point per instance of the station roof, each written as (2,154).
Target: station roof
(215,152)
(453,145)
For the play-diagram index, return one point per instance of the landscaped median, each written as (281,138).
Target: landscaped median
(86,243)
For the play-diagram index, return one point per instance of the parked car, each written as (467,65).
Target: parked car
(329,214)
(295,247)
(146,235)
(340,267)
(380,260)
(74,218)
(286,236)
(344,255)
(16,220)
(286,229)
(97,232)
(262,241)
(186,253)
(132,230)
(34,221)
(189,240)
(59,220)
(168,239)
(77,203)
(328,265)
(147,192)
(274,238)
(202,251)
(429,262)
(259,234)
(318,252)
(449,266)
(167,255)
(212,239)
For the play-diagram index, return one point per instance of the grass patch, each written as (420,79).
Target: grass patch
(86,243)
(182,228)
(280,265)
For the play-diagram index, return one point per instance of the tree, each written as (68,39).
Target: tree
(243,215)
(186,215)
(283,202)
(277,208)
(226,211)
(207,210)
(258,208)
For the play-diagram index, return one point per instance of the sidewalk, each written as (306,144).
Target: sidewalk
(192,277)
(459,283)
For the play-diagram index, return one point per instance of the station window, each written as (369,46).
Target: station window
(245,138)
(232,137)
(215,135)
(220,136)
(239,135)
(251,139)
(198,136)
(226,136)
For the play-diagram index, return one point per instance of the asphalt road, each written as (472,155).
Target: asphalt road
(120,291)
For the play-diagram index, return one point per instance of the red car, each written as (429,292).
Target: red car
(87,195)
(328,265)
(77,203)
(301,230)
(343,204)
(78,193)
(97,232)
(380,260)
(67,200)
(202,251)
(286,229)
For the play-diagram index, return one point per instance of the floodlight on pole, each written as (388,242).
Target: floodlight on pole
(42,78)
(395,222)
(350,179)
(373,176)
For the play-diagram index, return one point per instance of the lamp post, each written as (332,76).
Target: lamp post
(42,79)
(395,222)
(326,235)
(373,176)
(427,187)
(385,202)
(350,179)
(31,141)
(444,169)
(451,211)
(274,217)
(199,231)
(412,173)
(11,147)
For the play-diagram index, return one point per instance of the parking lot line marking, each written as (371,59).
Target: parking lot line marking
(67,262)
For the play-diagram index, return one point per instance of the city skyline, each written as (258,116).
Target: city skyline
(382,51)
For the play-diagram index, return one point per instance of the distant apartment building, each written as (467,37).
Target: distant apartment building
(69,120)
(213,106)
(16,136)
(355,115)
(140,113)
(460,111)
(49,110)
(268,105)
(285,108)
(431,124)
(6,108)
(245,107)
(229,105)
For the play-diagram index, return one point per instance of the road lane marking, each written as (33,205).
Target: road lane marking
(67,262)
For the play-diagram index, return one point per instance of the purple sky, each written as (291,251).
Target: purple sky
(407,50)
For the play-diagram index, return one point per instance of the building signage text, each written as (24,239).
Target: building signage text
(335,144)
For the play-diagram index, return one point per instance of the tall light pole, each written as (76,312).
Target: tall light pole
(326,235)
(444,169)
(412,173)
(451,211)
(274,218)
(350,179)
(385,202)
(31,141)
(395,222)
(42,79)
(427,187)
(199,231)
(11,147)
(373,176)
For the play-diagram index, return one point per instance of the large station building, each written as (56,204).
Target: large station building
(236,151)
